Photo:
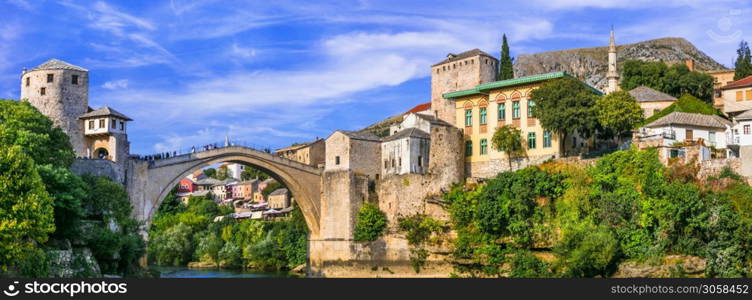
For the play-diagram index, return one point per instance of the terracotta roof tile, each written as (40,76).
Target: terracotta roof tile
(744,82)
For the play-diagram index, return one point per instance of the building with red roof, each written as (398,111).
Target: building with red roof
(737,96)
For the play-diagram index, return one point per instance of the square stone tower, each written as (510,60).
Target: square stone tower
(459,72)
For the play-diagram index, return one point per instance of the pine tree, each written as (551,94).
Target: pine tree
(743,64)
(505,61)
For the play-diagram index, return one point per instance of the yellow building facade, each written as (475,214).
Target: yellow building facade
(481,110)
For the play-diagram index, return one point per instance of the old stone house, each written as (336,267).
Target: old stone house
(310,153)
(279,199)
(650,100)
(722,77)
(358,152)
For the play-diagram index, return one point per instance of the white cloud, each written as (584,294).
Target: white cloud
(116,84)
(239,51)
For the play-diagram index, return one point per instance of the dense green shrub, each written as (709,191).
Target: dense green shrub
(526,265)
(369,224)
(586,250)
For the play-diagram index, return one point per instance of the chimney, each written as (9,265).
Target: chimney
(690,64)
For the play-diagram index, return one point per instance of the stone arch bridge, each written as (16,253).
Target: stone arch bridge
(148,182)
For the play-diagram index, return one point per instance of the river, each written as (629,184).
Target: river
(185,272)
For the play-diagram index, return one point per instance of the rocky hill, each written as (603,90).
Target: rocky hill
(591,64)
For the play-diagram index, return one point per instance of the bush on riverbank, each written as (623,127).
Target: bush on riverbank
(627,206)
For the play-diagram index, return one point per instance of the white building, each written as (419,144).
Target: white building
(234,170)
(405,152)
(741,134)
(680,127)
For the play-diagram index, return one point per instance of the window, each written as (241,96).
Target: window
(483,146)
(28,81)
(482,116)
(74,79)
(546,139)
(50,77)
(399,162)
(386,164)
(43,91)
(502,112)
(114,124)
(468,148)
(336,160)
(530,105)
(420,161)
(711,137)
(91,124)
(468,117)
(746,129)
(689,135)
(122,125)
(101,123)
(516,110)
(739,96)
(531,140)
(749,94)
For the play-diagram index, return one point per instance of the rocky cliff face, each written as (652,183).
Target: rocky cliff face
(591,64)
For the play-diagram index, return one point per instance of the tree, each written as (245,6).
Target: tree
(565,105)
(209,246)
(618,112)
(509,139)
(253,173)
(210,172)
(370,223)
(648,73)
(27,209)
(743,64)
(67,191)
(223,173)
(675,80)
(271,187)
(505,61)
(34,132)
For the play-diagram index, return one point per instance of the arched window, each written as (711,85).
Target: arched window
(102,153)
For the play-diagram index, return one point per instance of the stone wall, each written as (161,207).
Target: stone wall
(713,167)
(492,167)
(99,167)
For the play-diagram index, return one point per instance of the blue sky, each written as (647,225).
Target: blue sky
(278,72)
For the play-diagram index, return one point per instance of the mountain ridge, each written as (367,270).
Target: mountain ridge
(591,63)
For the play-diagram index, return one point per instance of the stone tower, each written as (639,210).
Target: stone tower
(613,74)
(60,91)
(459,72)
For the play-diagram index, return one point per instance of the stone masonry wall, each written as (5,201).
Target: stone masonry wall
(492,167)
(99,167)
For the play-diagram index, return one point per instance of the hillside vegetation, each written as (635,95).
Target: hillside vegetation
(570,220)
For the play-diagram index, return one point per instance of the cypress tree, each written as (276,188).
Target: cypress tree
(743,64)
(505,61)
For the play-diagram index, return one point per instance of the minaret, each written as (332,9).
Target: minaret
(612,75)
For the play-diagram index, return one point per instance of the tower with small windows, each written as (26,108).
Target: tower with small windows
(60,91)
(459,72)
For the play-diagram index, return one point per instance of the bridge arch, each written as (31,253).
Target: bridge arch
(152,181)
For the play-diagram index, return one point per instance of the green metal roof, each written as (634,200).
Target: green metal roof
(512,82)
